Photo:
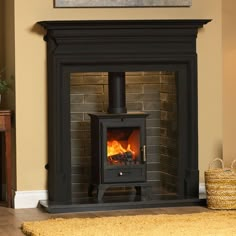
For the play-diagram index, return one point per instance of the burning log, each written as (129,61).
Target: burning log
(121,157)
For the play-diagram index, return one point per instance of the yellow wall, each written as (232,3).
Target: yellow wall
(229,82)
(30,71)
(1,34)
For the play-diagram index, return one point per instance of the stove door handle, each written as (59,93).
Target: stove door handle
(144,153)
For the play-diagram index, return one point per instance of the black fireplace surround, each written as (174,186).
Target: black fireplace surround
(120,45)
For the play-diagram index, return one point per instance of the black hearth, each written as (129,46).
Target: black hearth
(127,46)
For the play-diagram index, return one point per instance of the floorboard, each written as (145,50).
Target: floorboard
(11,219)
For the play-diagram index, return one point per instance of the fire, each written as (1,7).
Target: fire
(114,148)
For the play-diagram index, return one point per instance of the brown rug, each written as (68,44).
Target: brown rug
(222,223)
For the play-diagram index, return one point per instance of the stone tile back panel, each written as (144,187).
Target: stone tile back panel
(151,92)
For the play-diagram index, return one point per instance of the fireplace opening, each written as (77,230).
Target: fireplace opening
(146,150)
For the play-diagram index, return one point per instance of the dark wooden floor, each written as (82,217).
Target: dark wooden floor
(11,219)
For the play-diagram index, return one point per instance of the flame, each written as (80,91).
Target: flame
(114,148)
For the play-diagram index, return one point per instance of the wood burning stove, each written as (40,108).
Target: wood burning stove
(118,142)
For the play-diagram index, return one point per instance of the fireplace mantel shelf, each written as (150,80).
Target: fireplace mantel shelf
(88,24)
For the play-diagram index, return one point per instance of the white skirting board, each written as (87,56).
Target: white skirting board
(30,199)
(202,191)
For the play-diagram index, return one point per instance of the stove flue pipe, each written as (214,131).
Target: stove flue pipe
(116,92)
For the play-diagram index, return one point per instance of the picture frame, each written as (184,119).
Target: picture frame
(120,3)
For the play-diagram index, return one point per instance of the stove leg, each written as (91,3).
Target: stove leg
(100,192)
(144,191)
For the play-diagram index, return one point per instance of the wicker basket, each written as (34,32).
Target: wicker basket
(221,186)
